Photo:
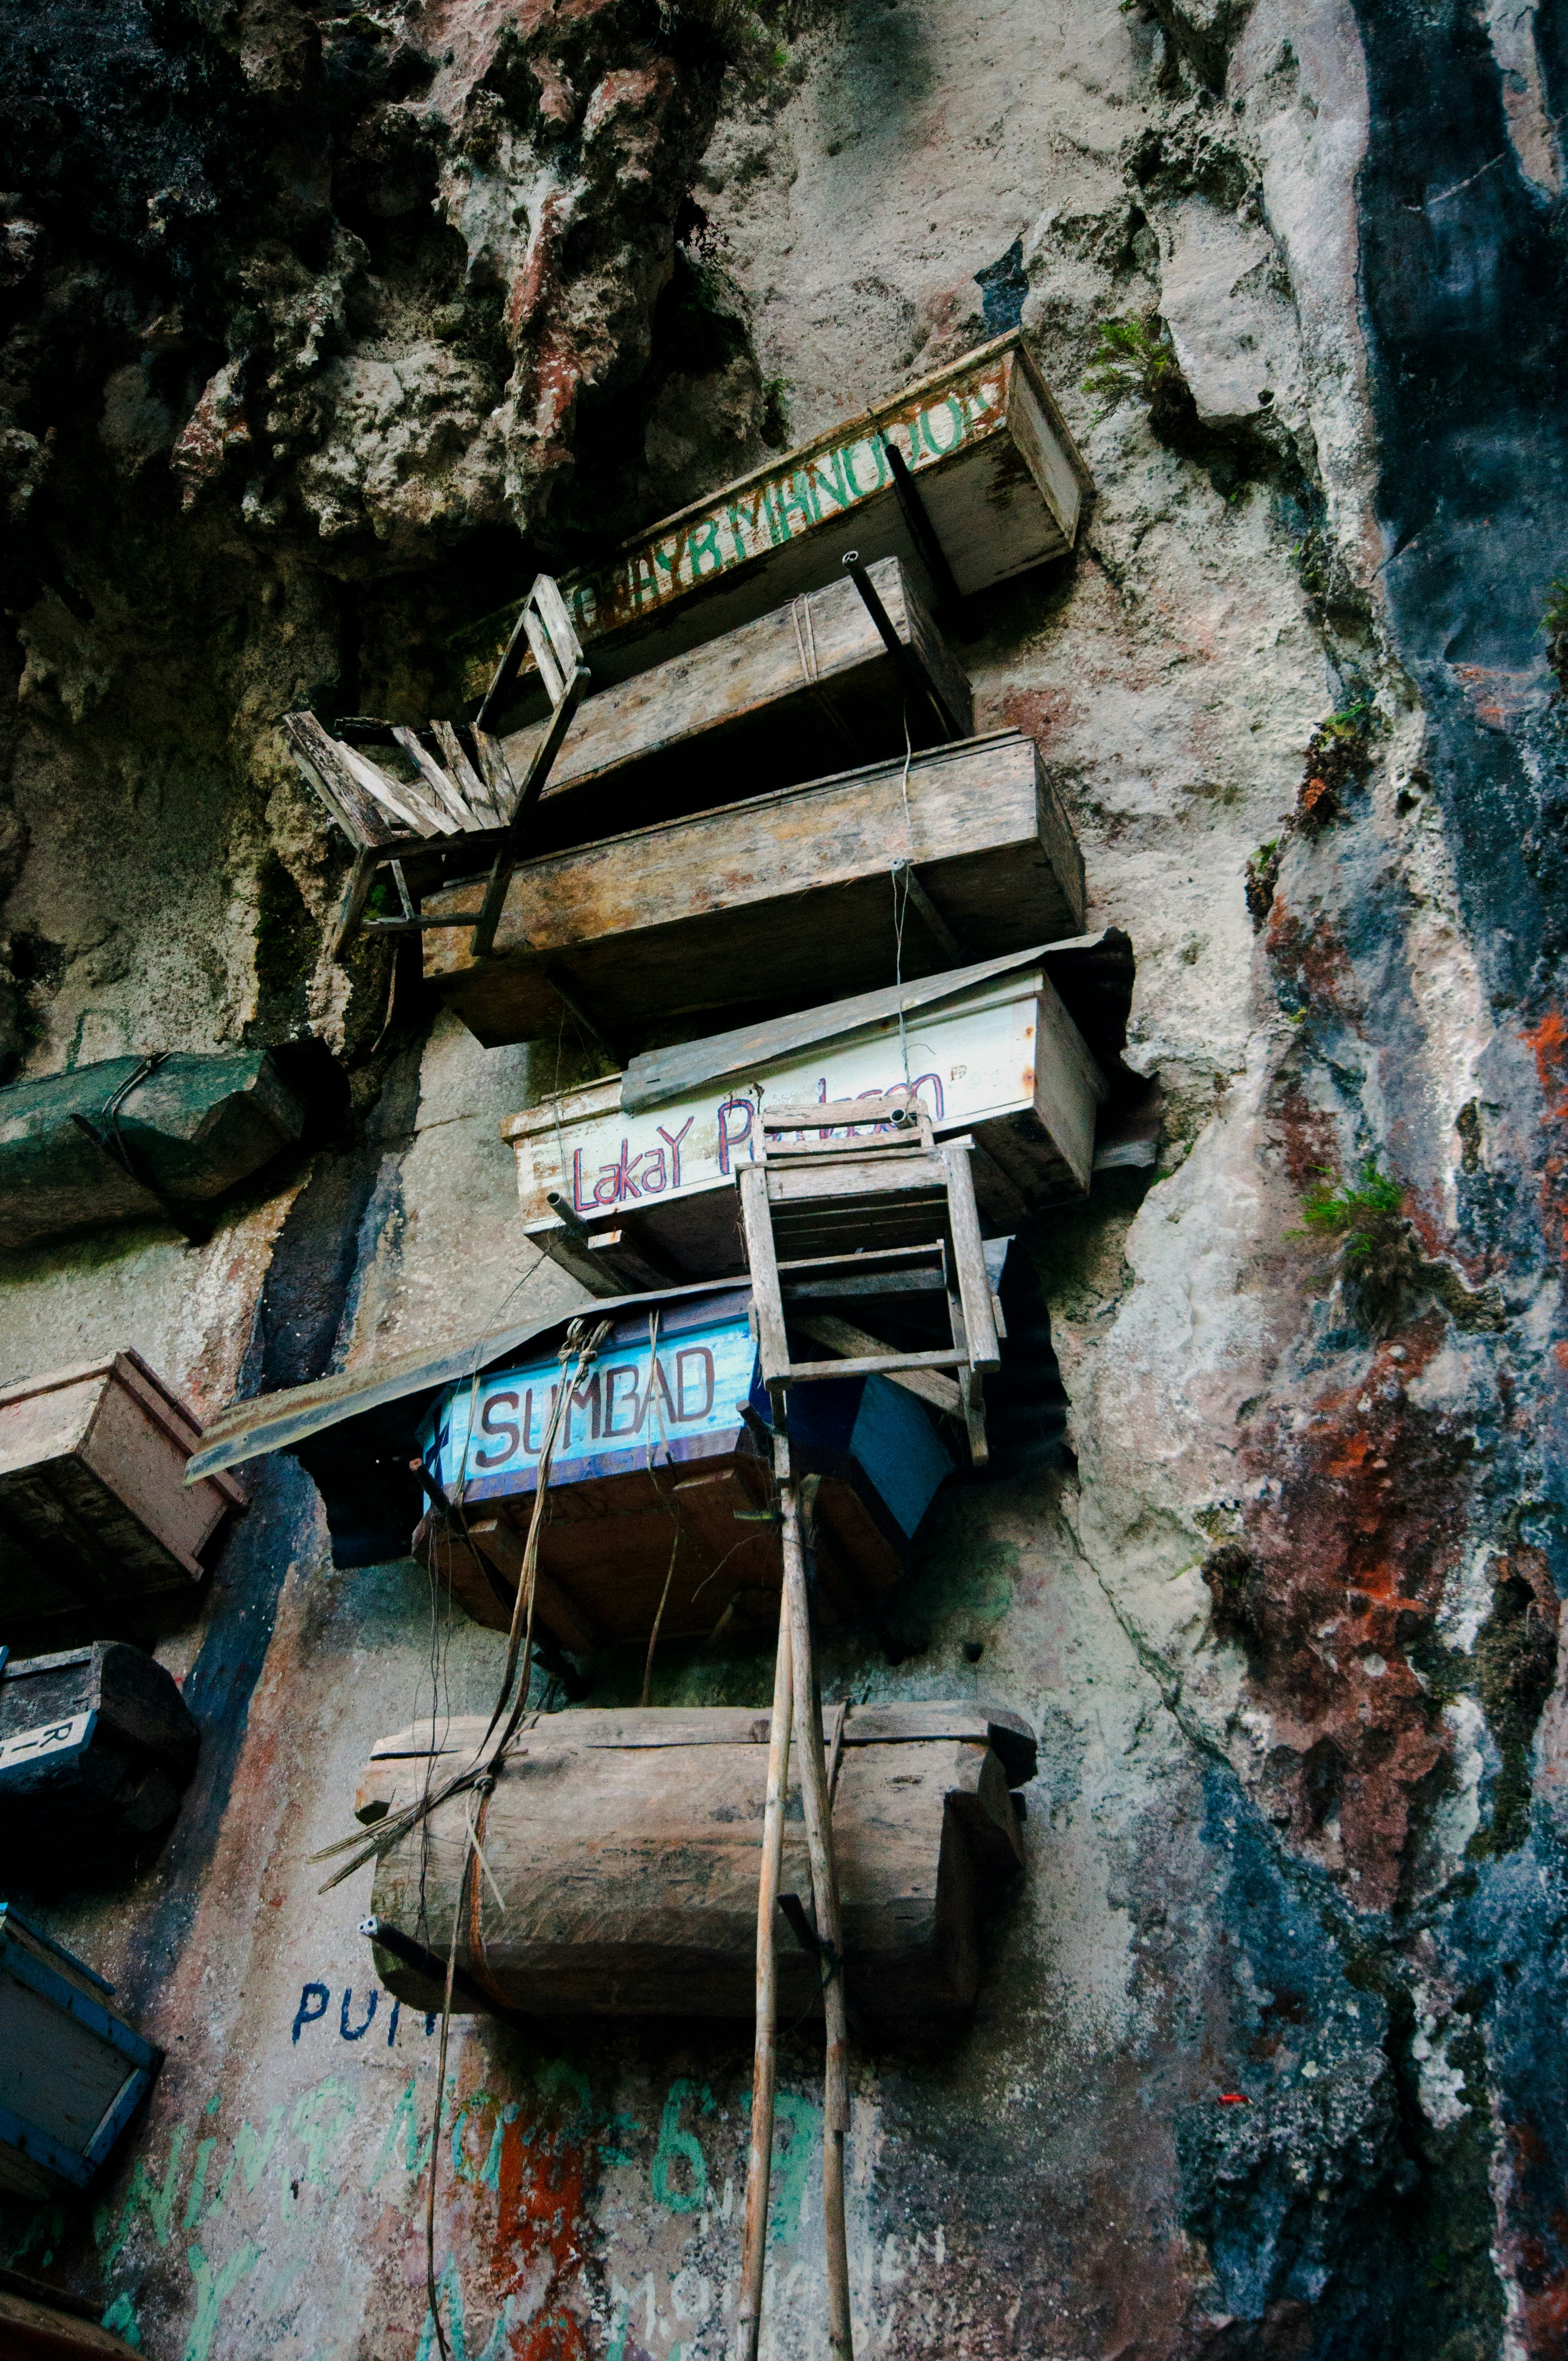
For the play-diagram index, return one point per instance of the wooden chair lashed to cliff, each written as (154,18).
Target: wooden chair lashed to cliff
(464,807)
(829,1221)
(890,1214)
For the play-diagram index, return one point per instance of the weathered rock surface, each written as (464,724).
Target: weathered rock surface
(320,331)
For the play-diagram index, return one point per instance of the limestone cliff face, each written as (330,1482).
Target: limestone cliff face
(321,332)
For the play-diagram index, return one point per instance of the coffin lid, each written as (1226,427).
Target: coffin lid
(278,1421)
(1093,973)
(895,1721)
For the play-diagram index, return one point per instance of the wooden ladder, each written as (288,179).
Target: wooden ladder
(829,1219)
(466,802)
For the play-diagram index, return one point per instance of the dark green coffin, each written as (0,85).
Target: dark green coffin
(131,1139)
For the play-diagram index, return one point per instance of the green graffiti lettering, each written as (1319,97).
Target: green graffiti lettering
(449,2296)
(795,498)
(851,453)
(193,2203)
(145,2191)
(558,2074)
(416,2149)
(472,2105)
(952,408)
(611,2148)
(743,524)
(491,2171)
(251,2151)
(319,2118)
(828,475)
(121,2319)
(706,557)
(789,2173)
(213,2291)
(674,2143)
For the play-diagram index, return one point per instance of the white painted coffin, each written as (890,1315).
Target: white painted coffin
(998,1059)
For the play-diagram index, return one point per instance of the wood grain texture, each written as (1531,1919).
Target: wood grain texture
(611,1544)
(790,695)
(628,1877)
(775,900)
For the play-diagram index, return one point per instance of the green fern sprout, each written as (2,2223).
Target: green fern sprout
(1131,357)
(1364,1212)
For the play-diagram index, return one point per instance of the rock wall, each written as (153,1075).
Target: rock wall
(321,332)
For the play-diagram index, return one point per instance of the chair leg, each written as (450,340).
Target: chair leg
(361,877)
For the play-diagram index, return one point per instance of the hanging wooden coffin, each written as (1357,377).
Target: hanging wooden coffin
(659,1500)
(997,1058)
(126,1139)
(625,1848)
(71,2072)
(767,905)
(96,1748)
(794,695)
(969,475)
(93,1505)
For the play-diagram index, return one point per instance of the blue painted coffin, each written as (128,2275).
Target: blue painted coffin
(71,2072)
(660,1490)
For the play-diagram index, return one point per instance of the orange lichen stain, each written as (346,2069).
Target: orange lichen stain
(540,2237)
(1548,1044)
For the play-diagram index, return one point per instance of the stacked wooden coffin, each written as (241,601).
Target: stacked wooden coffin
(764,863)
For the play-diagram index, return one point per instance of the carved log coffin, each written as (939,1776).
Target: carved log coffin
(625,1846)
(93,1505)
(772,903)
(73,2073)
(657,1491)
(96,1748)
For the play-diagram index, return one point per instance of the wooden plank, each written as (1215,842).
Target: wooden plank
(765,901)
(498,780)
(969,1261)
(996,469)
(356,811)
(843,1337)
(786,697)
(473,788)
(899,1721)
(628,1878)
(446,808)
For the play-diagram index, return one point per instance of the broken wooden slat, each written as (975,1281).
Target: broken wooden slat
(499,781)
(358,812)
(992,465)
(628,1877)
(769,901)
(474,790)
(443,795)
(795,693)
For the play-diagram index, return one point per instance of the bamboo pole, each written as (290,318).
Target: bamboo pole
(813,1773)
(765,2065)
